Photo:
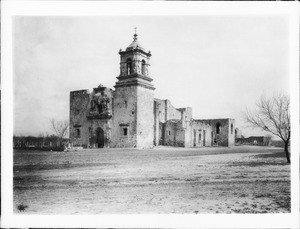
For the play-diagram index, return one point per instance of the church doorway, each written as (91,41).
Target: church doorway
(100,137)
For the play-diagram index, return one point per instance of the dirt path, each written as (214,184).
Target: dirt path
(167,180)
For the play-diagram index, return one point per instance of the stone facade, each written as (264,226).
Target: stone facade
(130,116)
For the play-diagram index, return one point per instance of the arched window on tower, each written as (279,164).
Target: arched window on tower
(143,67)
(231,128)
(129,66)
(218,128)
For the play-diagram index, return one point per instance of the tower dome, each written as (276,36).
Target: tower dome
(135,44)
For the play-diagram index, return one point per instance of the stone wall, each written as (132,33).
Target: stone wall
(166,115)
(174,134)
(92,127)
(86,118)
(124,116)
(79,103)
(136,63)
(160,107)
(202,134)
(145,118)
(166,111)
(157,131)
(231,132)
(171,112)
(225,137)
(147,121)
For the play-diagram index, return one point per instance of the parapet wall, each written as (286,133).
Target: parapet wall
(166,111)
(79,102)
(223,131)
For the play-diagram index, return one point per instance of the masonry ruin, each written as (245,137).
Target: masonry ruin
(130,116)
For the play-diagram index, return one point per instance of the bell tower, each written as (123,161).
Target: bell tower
(134,66)
(133,98)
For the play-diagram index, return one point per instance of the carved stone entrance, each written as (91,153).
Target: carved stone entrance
(100,137)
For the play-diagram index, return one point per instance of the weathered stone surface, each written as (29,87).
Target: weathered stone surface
(226,134)
(129,116)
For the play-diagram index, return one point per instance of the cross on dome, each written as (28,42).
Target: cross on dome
(135,34)
(135,44)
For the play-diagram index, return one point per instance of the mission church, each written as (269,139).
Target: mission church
(130,117)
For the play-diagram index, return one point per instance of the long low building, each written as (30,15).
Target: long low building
(130,116)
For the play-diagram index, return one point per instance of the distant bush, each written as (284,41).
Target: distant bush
(21,207)
(57,148)
(48,143)
(278,144)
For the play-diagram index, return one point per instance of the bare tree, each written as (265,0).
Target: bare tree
(60,128)
(273,116)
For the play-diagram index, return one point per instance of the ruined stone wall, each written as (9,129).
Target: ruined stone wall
(225,137)
(231,132)
(160,110)
(186,117)
(174,133)
(79,102)
(124,116)
(100,117)
(165,111)
(156,126)
(202,134)
(188,136)
(161,133)
(86,118)
(171,112)
(145,118)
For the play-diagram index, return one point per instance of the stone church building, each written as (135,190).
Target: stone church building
(130,116)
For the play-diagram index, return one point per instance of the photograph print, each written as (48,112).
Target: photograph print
(151,114)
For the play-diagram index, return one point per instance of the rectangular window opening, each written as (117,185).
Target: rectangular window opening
(125,131)
(78,133)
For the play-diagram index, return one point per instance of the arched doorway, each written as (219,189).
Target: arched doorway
(100,137)
(218,128)
(143,67)
(129,66)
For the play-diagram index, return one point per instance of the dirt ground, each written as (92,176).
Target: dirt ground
(243,179)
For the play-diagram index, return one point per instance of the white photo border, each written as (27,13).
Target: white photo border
(122,8)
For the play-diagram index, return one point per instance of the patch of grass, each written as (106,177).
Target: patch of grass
(256,163)
(64,165)
(284,202)
(22,207)
(271,155)
(264,195)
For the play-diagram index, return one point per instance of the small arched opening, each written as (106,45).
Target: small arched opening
(128,66)
(231,128)
(143,67)
(218,128)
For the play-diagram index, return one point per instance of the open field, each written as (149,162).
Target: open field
(243,179)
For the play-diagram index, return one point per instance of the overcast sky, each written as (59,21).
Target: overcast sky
(218,65)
